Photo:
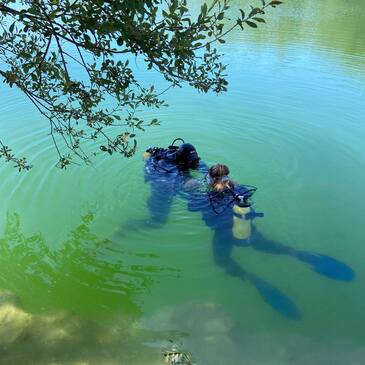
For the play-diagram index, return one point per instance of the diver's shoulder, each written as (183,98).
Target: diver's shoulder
(156,164)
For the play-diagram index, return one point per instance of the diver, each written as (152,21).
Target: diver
(168,171)
(227,209)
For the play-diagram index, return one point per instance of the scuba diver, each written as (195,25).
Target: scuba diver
(167,170)
(227,209)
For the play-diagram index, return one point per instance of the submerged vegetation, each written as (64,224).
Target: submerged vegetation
(71,60)
(61,337)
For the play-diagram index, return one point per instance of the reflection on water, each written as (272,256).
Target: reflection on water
(334,27)
(80,270)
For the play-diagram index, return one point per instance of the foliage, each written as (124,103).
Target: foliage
(41,41)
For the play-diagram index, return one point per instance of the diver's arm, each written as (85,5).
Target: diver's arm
(193,184)
(196,202)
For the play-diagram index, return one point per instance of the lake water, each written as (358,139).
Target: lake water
(89,291)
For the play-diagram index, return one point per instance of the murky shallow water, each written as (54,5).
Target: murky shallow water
(291,124)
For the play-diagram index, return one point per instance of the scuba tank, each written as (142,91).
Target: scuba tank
(184,156)
(243,214)
(241,225)
(159,153)
(241,209)
(162,159)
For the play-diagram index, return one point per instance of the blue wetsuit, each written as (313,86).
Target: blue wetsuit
(167,180)
(217,212)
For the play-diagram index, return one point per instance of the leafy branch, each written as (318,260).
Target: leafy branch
(7,154)
(71,60)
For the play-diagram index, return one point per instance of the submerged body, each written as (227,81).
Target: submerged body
(233,227)
(167,179)
(231,218)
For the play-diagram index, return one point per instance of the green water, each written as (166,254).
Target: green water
(291,124)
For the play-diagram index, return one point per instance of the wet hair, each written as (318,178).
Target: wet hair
(218,171)
(219,177)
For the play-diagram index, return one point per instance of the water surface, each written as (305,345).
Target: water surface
(291,124)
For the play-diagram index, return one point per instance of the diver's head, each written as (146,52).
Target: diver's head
(219,179)
(218,171)
(187,157)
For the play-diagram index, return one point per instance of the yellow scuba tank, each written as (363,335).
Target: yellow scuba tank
(241,226)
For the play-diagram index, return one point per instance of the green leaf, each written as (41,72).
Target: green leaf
(242,14)
(154,122)
(255,11)
(204,9)
(251,24)
(11,28)
(260,20)
(200,36)
(275,2)
(220,40)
